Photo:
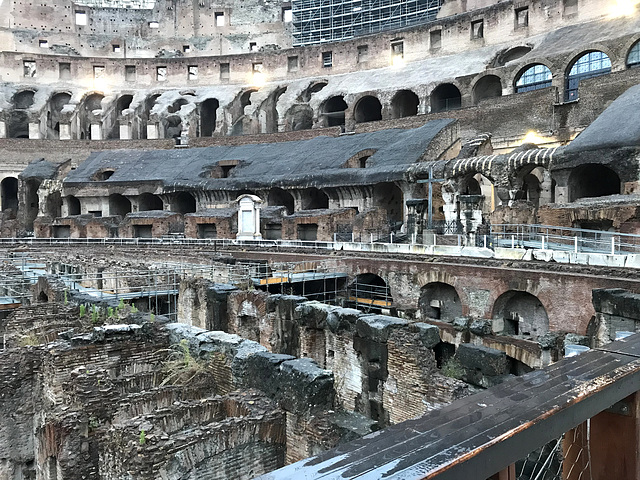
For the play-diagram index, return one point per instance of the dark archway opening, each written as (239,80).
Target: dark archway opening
(9,187)
(32,201)
(404,104)
(54,205)
(593,180)
(57,103)
(440,301)
(313,198)
(119,205)
(368,109)
(389,197)
(445,97)
(281,198)
(184,202)
(43,297)
(299,117)
(488,86)
(18,125)
(148,201)
(334,111)
(208,118)
(124,102)
(24,99)
(73,205)
(520,313)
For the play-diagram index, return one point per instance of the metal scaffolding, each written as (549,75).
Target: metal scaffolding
(320,21)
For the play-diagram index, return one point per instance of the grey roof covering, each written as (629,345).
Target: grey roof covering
(314,162)
(615,127)
(151,214)
(214,213)
(318,212)
(40,169)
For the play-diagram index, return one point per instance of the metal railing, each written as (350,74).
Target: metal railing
(577,240)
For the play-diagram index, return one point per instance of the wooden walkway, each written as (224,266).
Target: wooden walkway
(480,435)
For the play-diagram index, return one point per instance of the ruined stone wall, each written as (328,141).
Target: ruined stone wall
(327,222)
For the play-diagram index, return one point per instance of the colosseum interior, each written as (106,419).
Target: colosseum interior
(237,234)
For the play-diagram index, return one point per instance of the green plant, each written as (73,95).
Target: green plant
(134,309)
(93,423)
(152,317)
(110,312)
(30,339)
(83,310)
(181,367)
(121,304)
(143,437)
(94,314)
(66,297)
(452,368)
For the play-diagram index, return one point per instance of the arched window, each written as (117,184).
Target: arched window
(589,65)
(633,59)
(534,78)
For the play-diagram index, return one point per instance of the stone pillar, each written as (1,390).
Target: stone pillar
(3,129)
(65,131)
(125,132)
(96,132)
(152,131)
(34,130)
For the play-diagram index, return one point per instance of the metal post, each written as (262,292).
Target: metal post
(513,242)
(575,243)
(391,237)
(613,245)
(352,237)
(542,237)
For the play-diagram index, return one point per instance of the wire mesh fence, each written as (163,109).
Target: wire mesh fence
(567,458)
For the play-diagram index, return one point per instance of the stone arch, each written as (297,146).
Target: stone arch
(208,116)
(183,202)
(119,205)
(368,109)
(588,64)
(73,205)
(593,180)
(439,301)
(90,104)
(149,103)
(535,185)
(298,117)
(445,97)
(513,54)
(56,104)
(237,110)
(517,312)
(269,107)
(18,125)
(533,76)
(9,193)
(314,87)
(333,111)
(123,103)
(390,197)
(488,86)
(404,104)
(370,290)
(281,198)
(23,99)
(177,105)
(149,201)
(313,198)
